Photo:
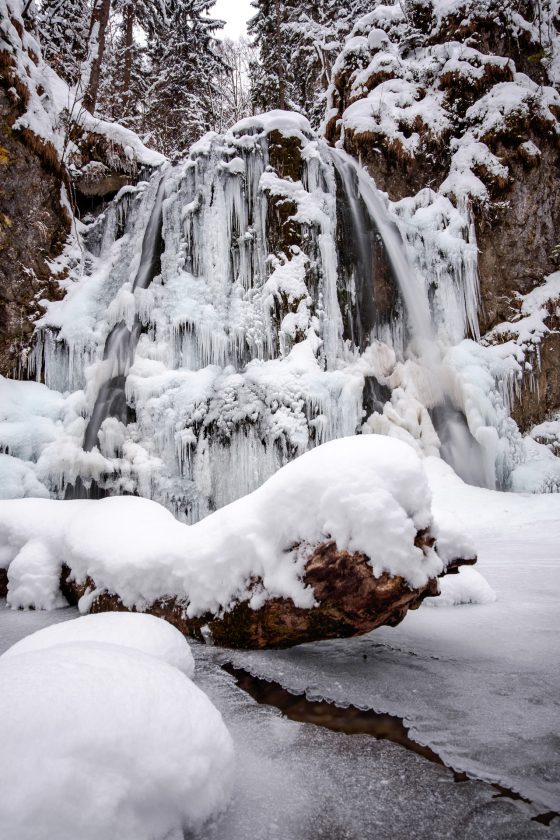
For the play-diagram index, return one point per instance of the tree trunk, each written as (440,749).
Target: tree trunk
(128,15)
(280,55)
(97,29)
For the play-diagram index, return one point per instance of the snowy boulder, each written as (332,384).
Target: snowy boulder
(100,742)
(145,633)
(336,543)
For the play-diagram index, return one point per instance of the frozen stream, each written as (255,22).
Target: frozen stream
(298,781)
(478,684)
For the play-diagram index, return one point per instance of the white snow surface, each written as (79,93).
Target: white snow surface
(311,782)
(145,633)
(100,741)
(368,493)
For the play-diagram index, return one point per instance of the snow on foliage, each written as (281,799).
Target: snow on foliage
(103,741)
(145,633)
(366,493)
(394,85)
(52,110)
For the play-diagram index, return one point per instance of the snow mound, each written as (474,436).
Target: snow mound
(34,578)
(146,633)
(367,493)
(18,479)
(100,742)
(466,587)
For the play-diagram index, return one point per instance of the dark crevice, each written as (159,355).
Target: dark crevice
(353,721)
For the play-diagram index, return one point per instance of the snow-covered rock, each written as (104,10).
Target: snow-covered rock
(361,497)
(100,741)
(145,633)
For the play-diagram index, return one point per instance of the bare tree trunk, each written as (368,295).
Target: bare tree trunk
(97,29)
(128,15)
(280,55)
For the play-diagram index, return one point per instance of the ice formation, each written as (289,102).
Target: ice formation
(251,302)
(103,741)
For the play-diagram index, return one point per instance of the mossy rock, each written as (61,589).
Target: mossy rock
(282,230)
(284,154)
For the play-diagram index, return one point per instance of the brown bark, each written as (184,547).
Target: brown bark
(97,30)
(3,583)
(350,601)
(128,16)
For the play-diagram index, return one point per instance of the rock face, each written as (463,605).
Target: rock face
(46,158)
(33,229)
(464,103)
(350,601)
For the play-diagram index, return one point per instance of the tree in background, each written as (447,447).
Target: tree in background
(153,65)
(232,101)
(184,66)
(95,52)
(297,43)
(63,27)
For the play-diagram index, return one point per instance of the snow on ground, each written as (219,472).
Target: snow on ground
(297,781)
(477,683)
(146,633)
(100,741)
(368,493)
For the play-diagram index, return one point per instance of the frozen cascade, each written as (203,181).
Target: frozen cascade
(459,447)
(358,185)
(121,342)
(256,299)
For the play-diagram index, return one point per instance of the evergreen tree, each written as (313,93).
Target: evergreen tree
(298,41)
(63,30)
(185,63)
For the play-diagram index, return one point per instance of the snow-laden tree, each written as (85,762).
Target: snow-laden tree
(184,63)
(63,30)
(297,42)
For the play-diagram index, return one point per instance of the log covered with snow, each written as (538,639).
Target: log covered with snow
(336,543)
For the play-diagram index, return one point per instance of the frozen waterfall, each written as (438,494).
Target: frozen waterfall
(257,299)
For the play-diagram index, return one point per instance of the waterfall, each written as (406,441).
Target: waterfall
(358,185)
(120,346)
(257,299)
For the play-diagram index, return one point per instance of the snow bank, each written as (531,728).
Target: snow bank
(146,633)
(368,493)
(18,479)
(99,741)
